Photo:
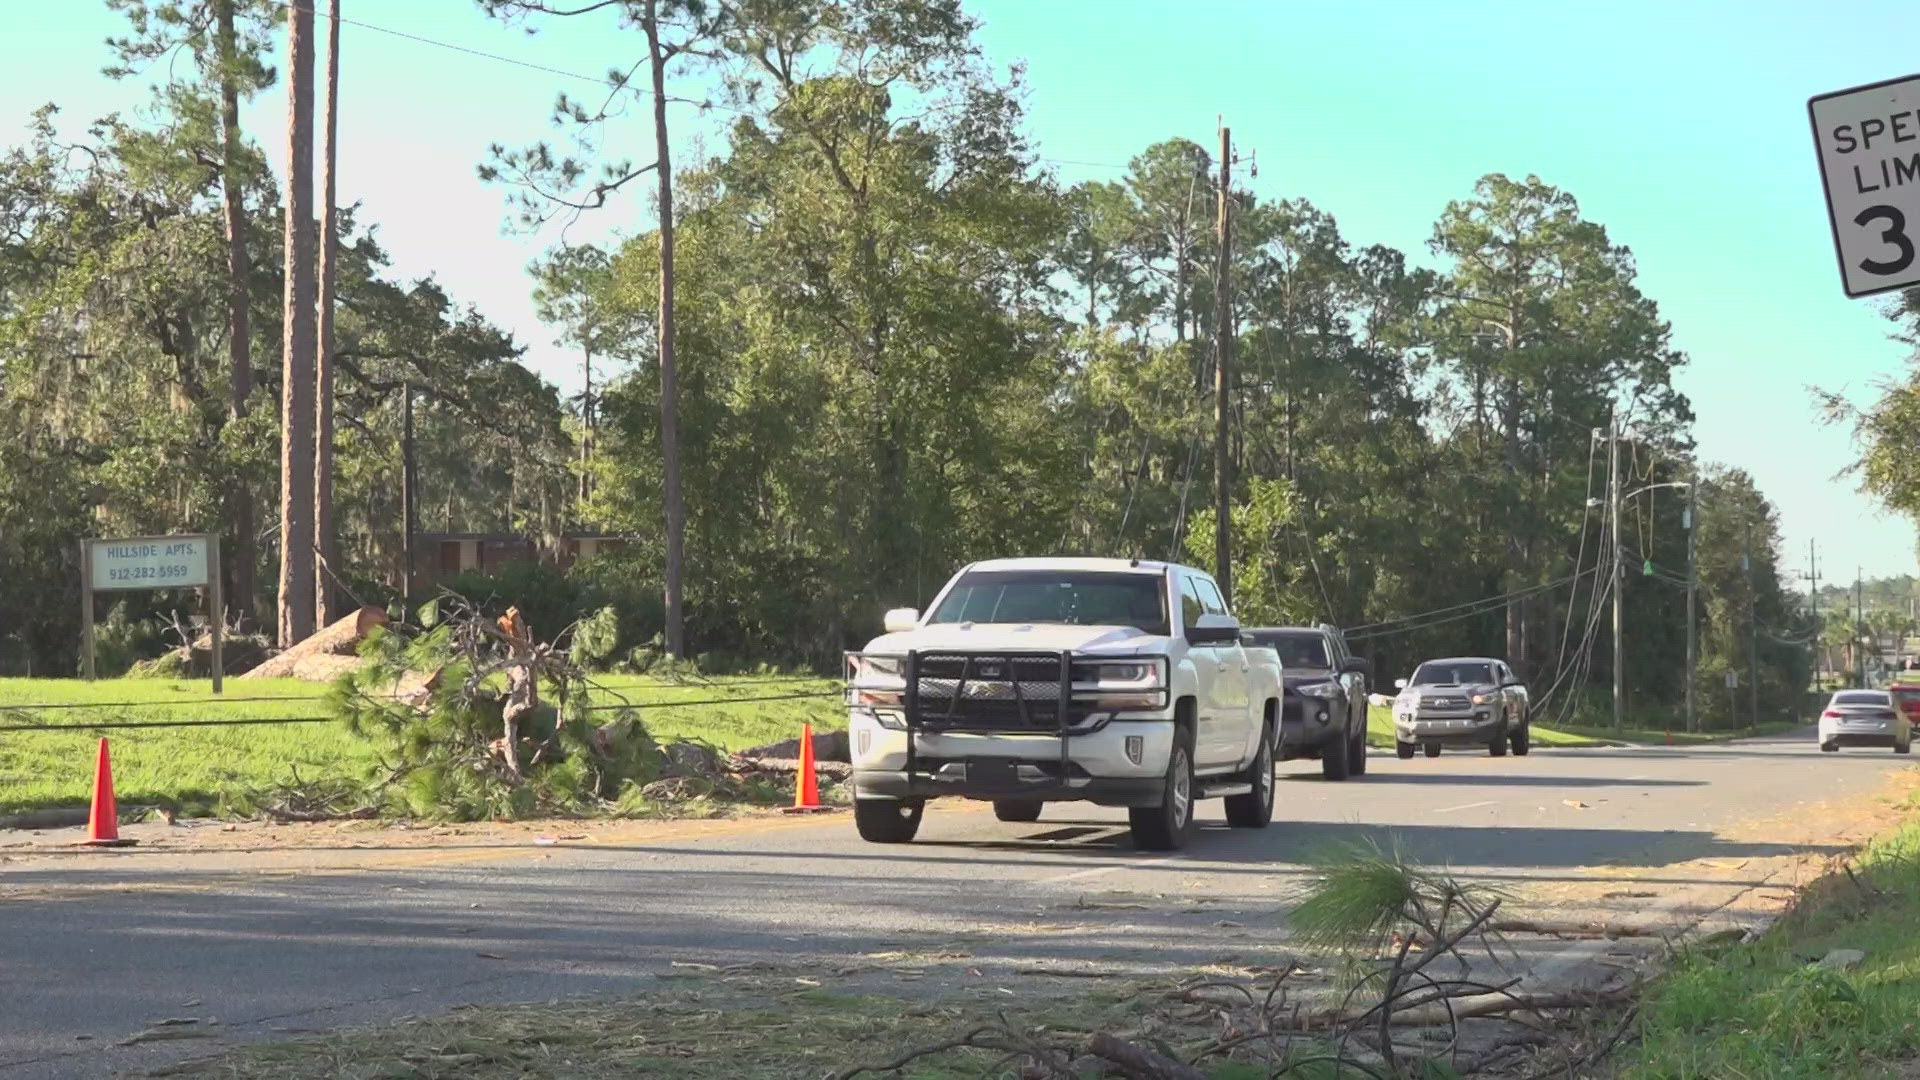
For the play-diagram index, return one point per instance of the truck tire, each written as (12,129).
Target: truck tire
(1433,749)
(1165,827)
(1357,753)
(1333,758)
(1523,740)
(1017,809)
(1498,747)
(888,821)
(1404,749)
(1255,809)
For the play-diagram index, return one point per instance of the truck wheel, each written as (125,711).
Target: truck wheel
(1357,754)
(1498,747)
(1255,809)
(1903,747)
(1017,809)
(1404,749)
(1829,748)
(888,821)
(1333,759)
(1523,740)
(1433,749)
(1165,827)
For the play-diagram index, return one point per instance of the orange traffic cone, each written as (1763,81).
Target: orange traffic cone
(806,792)
(103,824)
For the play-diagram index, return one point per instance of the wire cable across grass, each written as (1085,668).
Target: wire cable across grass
(105,725)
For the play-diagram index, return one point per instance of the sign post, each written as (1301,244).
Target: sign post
(1868,142)
(153,562)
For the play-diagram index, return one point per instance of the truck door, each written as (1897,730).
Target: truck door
(1232,686)
(1352,682)
(1207,738)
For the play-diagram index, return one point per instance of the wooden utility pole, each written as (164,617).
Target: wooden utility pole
(1616,575)
(1693,647)
(408,497)
(674,637)
(1813,605)
(297,344)
(1222,377)
(1859,632)
(1753,636)
(324,546)
(586,436)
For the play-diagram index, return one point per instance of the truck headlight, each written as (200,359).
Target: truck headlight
(1319,690)
(1121,684)
(875,682)
(1485,699)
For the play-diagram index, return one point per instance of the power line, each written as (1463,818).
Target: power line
(498,58)
(153,704)
(1351,631)
(1484,607)
(603,81)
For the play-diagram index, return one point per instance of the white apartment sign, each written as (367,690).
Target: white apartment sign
(173,562)
(152,562)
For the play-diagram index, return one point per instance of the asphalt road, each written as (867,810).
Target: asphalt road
(96,946)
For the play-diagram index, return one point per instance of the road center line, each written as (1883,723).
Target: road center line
(1468,806)
(1081,875)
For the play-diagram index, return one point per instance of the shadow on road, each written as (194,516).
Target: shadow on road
(1496,779)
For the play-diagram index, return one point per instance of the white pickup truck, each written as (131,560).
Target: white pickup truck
(1121,683)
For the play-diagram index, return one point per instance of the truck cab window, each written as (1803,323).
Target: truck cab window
(1190,605)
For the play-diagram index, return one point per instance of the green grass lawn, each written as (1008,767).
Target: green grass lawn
(1380,734)
(199,769)
(1764,1012)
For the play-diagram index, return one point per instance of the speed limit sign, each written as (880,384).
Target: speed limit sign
(1868,139)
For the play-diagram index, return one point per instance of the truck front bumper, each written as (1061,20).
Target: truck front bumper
(1479,726)
(1122,764)
(1308,724)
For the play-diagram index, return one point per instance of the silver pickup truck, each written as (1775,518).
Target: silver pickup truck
(1464,701)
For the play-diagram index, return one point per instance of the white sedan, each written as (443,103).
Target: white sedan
(1864,718)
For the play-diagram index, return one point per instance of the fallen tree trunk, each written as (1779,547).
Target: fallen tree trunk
(325,654)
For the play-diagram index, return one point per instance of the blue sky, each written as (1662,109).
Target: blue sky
(1680,125)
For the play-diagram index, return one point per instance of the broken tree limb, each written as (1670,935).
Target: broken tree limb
(1139,1063)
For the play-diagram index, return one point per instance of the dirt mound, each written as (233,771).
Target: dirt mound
(827,746)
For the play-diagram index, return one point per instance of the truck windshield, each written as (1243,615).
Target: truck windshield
(1076,598)
(1297,650)
(1452,675)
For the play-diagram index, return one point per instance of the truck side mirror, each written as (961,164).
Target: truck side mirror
(901,620)
(1399,684)
(1214,630)
(1354,665)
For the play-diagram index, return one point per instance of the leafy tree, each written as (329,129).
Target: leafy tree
(1544,330)
(229,41)
(672,29)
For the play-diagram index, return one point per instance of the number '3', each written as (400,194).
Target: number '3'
(1895,233)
